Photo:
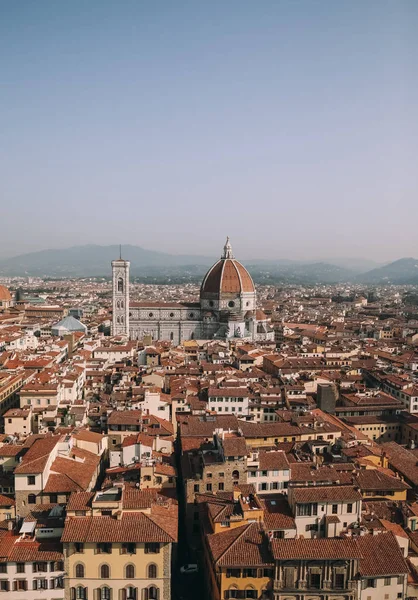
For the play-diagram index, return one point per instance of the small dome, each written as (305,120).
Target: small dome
(227,276)
(5,295)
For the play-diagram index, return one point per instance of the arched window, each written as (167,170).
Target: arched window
(130,593)
(105,593)
(250,592)
(104,572)
(120,284)
(80,593)
(31,499)
(117,319)
(121,303)
(233,591)
(118,304)
(79,571)
(121,319)
(235,474)
(130,572)
(153,593)
(152,571)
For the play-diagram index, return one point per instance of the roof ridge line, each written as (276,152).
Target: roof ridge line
(150,517)
(247,526)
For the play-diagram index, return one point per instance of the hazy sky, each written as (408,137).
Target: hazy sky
(290,125)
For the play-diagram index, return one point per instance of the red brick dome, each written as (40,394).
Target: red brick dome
(227,276)
(5,295)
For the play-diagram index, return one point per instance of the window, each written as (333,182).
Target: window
(105,593)
(307,510)
(130,593)
(249,572)
(371,583)
(152,548)
(79,547)
(334,509)
(235,474)
(129,548)
(339,581)
(79,571)
(221,486)
(130,572)
(120,285)
(315,580)
(251,593)
(153,593)
(221,474)
(233,572)
(152,571)
(20,585)
(31,479)
(3,568)
(349,508)
(400,579)
(41,567)
(208,487)
(4,585)
(196,487)
(105,572)
(387,580)
(20,567)
(53,498)
(104,548)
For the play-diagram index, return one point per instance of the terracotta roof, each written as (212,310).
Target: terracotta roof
(80,501)
(234,446)
(5,295)
(273,461)
(277,512)
(381,556)
(227,276)
(375,480)
(131,527)
(37,456)
(315,549)
(242,546)
(343,493)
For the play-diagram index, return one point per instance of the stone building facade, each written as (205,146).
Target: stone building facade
(227,307)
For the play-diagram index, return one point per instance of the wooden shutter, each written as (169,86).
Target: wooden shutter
(96,594)
(122,594)
(86,593)
(72,593)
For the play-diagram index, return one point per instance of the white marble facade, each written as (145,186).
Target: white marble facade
(226,307)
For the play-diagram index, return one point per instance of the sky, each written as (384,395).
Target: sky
(289,125)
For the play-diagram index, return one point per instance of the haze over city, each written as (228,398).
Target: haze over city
(290,126)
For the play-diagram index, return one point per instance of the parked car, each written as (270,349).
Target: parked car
(190,568)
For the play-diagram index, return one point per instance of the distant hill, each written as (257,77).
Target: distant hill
(92,260)
(401,272)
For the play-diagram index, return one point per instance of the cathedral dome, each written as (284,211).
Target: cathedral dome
(228,284)
(5,295)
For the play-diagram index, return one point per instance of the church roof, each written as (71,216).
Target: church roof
(227,276)
(5,295)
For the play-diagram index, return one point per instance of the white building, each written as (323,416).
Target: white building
(226,308)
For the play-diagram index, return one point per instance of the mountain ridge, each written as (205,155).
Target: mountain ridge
(95,260)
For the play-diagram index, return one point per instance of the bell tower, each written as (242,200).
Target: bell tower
(120,296)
